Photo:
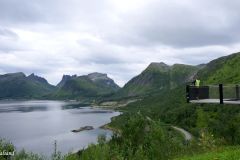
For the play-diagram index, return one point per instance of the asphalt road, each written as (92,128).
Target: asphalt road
(186,134)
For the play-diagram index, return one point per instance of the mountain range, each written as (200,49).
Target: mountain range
(87,86)
(157,77)
(20,86)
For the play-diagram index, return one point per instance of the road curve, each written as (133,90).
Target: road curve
(186,134)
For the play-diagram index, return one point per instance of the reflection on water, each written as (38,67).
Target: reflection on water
(74,106)
(34,125)
(90,111)
(23,109)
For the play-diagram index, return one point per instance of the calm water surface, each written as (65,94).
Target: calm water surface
(34,125)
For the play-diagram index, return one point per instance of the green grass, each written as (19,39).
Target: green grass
(222,70)
(227,153)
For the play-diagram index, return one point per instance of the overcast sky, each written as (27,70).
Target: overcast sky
(118,37)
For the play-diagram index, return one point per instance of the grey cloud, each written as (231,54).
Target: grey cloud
(57,12)
(105,60)
(8,33)
(198,58)
(101,52)
(7,48)
(26,69)
(14,11)
(173,24)
(8,40)
(55,37)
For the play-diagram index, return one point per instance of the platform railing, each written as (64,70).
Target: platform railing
(219,92)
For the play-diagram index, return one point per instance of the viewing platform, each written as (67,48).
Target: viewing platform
(213,94)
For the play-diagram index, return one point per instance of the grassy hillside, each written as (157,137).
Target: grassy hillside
(213,125)
(157,77)
(171,107)
(226,153)
(222,70)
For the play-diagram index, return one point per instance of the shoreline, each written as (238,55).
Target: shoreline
(107,117)
(107,127)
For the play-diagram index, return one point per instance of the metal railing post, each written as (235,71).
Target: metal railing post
(187,93)
(237,92)
(221,93)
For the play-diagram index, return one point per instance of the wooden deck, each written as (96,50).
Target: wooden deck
(215,101)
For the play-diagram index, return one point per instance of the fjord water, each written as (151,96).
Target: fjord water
(35,125)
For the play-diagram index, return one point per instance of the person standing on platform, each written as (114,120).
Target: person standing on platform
(197,85)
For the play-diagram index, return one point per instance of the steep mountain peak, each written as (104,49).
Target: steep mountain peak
(102,79)
(158,64)
(37,78)
(160,67)
(157,77)
(97,76)
(65,78)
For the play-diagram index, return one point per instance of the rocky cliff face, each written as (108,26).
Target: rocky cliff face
(65,78)
(97,76)
(37,78)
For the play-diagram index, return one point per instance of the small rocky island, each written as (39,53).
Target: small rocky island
(83,129)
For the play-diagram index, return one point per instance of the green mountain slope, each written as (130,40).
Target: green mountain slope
(214,126)
(20,86)
(222,70)
(171,107)
(88,86)
(158,77)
